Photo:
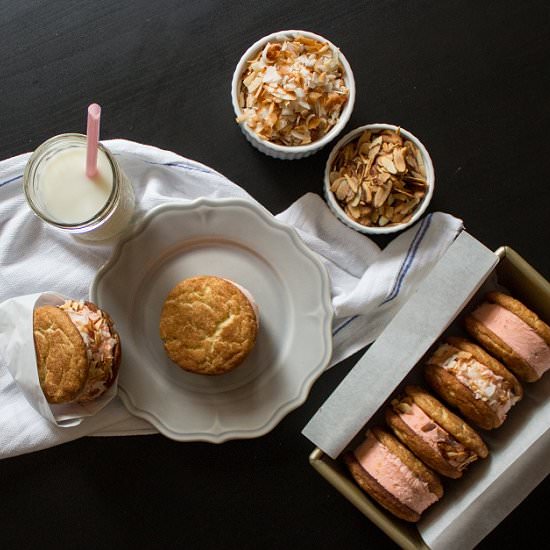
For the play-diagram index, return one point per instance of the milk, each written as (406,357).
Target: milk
(67,195)
(62,195)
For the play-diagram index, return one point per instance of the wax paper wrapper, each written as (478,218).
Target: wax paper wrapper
(17,349)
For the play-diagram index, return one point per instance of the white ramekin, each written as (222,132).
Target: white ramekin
(338,210)
(298,151)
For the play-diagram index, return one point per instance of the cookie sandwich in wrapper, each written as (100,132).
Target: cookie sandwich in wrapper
(64,355)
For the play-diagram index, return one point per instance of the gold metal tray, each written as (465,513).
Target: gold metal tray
(526,284)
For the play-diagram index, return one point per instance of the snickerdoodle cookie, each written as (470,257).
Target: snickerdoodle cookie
(208,325)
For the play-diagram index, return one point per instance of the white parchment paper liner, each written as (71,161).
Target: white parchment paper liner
(17,347)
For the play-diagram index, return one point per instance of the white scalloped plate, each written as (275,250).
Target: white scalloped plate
(239,240)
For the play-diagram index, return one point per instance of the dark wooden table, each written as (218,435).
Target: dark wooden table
(471,79)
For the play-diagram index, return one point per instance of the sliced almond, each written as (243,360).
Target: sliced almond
(353,183)
(384,178)
(388,164)
(356,200)
(367,192)
(355,211)
(381,195)
(342,189)
(373,151)
(399,158)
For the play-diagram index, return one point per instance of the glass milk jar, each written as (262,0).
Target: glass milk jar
(61,194)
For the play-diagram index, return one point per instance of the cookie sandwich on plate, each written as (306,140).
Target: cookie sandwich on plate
(208,324)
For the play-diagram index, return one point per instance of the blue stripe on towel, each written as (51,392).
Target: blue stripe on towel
(5,182)
(344,325)
(405,267)
(190,167)
(409,258)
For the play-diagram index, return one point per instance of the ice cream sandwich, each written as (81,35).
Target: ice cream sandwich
(393,476)
(434,434)
(77,349)
(467,377)
(208,324)
(513,333)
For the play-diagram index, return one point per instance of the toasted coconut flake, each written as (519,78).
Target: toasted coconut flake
(287,82)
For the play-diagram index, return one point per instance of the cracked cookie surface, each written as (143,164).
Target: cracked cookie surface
(60,355)
(207,325)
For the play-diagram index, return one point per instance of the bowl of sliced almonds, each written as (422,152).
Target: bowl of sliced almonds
(379,178)
(292,92)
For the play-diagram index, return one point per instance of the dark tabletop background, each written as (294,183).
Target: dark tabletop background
(470,79)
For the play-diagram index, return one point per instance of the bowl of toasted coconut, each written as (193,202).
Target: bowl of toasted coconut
(379,179)
(292,92)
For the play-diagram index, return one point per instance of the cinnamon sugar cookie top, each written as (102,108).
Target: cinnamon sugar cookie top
(60,355)
(207,325)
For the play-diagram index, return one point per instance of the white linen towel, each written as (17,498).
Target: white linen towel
(368,285)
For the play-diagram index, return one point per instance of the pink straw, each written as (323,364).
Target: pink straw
(92,133)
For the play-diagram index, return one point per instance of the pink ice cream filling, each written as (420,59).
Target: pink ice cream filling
(394,475)
(437,438)
(517,334)
(250,298)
